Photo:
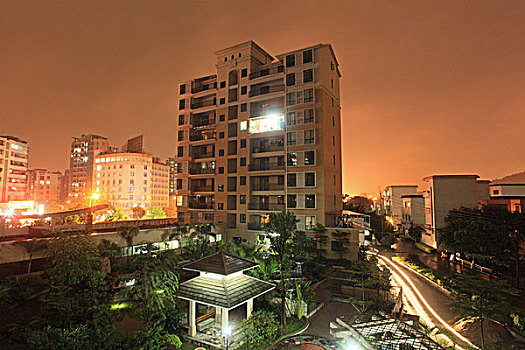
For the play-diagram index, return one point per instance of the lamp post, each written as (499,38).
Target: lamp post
(94,196)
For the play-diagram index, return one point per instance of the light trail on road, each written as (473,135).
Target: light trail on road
(411,291)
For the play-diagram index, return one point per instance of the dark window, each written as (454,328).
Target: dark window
(179,184)
(309,201)
(181,119)
(221,135)
(232,129)
(180,151)
(309,157)
(183,89)
(309,136)
(290,60)
(180,135)
(244,107)
(242,199)
(242,180)
(242,218)
(222,117)
(223,84)
(291,159)
(244,90)
(291,179)
(309,179)
(309,115)
(290,79)
(264,72)
(220,188)
(222,101)
(307,56)
(243,143)
(280,69)
(332,66)
(244,72)
(291,201)
(243,161)
(280,180)
(308,95)
(333,121)
(220,206)
(221,170)
(221,152)
(182,104)
(308,76)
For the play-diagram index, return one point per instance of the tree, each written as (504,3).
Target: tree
(281,228)
(117,214)
(137,213)
(179,232)
(32,247)
(155,213)
(129,236)
(303,295)
(260,330)
(480,299)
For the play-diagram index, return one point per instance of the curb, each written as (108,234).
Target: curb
(290,335)
(440,288)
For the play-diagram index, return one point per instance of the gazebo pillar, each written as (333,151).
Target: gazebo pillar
(249,308)
(192,328)
(224,319)
(217,314)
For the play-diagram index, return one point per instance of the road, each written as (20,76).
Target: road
(423,298)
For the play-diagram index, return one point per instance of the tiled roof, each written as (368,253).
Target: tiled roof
(221,263)
(225,293)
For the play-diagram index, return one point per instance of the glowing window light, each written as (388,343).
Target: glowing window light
(271,122)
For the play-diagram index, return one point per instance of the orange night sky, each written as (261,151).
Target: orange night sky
(428,86)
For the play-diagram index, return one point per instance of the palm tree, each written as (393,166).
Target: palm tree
(128,235)
(32,247)
(180,232)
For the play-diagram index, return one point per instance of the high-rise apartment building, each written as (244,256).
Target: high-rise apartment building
(260,135)
(81,163)
(45,186)
(128,180)
(13,168)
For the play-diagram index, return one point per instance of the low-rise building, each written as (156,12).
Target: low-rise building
(413,211)
(45,186)
(13,168)
(393,203)
(128,180)
(443,193)
(510,196)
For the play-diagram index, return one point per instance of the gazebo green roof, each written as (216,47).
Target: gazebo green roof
(221,263)
(224,293)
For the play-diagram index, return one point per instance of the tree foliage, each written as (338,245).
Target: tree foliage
(155,213)
(117,214)
(137,213)
(260,330)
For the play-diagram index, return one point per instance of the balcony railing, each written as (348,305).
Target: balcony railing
(266,206)
(267,187)
(201,104)
(263,149)
(199,205)
(203,155)
(201,88)
(200,171)
(202,137)
(263,90)
(265,167)
(202,123)
(266,71)
(255,226)
(208,188)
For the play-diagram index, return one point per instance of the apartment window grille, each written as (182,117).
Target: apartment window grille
(309,158)
(290,98)
(290,60)
(291,138)
(307,56)
(308,76)
(309,115)
(308,95)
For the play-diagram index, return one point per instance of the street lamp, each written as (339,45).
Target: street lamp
(94,196)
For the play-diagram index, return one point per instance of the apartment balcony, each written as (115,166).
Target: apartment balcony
(205,188)
(265,90)
(266,72)
(203,104)
(262,150)
(266,206)
(266,167)
(255,226)
(203,123)
(201,171)
(203,136)
(210,154)
(267,187)
(205,87)
(200,205)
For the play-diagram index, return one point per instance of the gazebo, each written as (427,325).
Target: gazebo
(221,284)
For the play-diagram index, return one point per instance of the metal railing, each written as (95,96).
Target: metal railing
(265,166)
(263,90)
(266,206)
(267,187)
(201,104)
(266,72)
(203,155)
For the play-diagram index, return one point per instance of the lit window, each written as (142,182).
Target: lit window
(243,125)
(291,159)
(267,123)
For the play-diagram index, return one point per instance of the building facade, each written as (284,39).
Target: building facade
(509,195)
(393,201)
(443,193)
(13,168)
(413,211)
(45,186)
(128,180)
(81,165)
(260,135)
